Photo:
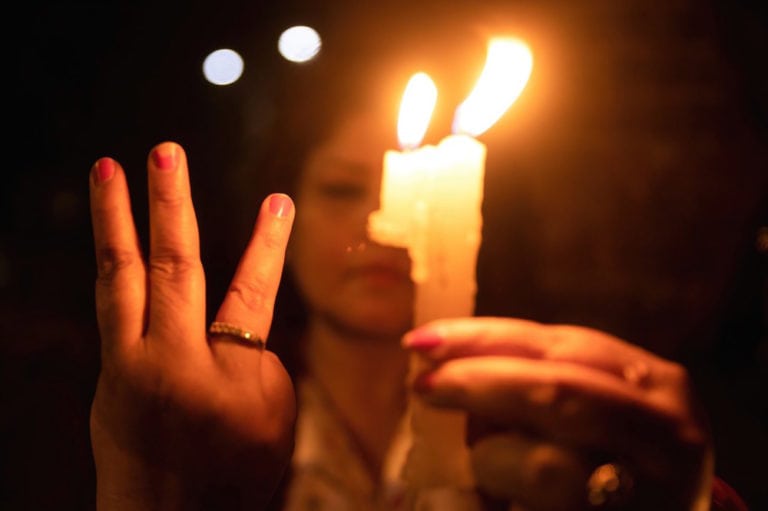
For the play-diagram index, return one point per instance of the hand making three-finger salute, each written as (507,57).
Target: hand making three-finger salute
(184,417)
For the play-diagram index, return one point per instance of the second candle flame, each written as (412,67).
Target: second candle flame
(505,74)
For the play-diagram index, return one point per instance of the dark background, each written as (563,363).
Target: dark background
(627,190)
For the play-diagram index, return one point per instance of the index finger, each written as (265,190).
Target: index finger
(447,339)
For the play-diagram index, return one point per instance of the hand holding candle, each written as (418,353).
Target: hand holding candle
(431,201)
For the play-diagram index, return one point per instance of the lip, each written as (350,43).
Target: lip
(381,273)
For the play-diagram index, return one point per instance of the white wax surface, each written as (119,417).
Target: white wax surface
(431,204)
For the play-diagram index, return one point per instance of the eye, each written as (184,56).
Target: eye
(341,190)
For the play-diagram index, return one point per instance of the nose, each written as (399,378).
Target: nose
(369,203)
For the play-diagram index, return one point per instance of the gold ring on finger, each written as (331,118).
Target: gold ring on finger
(241,334)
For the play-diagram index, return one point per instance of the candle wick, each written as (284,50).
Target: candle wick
(456,126)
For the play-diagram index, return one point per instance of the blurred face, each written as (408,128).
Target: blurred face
(347,280)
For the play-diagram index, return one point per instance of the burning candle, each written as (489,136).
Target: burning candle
(431,200)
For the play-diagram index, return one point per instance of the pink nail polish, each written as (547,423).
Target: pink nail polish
(280,205)
(164,156)
(422,341)
(105,169)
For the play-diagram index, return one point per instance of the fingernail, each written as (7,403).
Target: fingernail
(280,205)
(422,340)
(164,156)
(104,170)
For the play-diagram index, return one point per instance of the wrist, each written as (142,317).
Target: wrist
(129,488)
(135,486)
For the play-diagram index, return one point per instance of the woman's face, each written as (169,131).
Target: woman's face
(347,280)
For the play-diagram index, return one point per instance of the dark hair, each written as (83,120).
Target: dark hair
(367,56)
(365,62)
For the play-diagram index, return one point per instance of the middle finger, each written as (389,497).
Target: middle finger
(472,337)
(177,286)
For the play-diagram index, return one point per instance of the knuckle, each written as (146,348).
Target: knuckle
(169,197)
(173,265)
(253,294)
(272,240)
(112,260)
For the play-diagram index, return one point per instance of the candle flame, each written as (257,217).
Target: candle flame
(507,68)
(416,109)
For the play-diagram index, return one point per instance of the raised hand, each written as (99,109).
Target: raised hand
(182,419)
(569,418)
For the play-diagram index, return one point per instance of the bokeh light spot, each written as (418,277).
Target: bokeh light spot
(299,43)
(223,67)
